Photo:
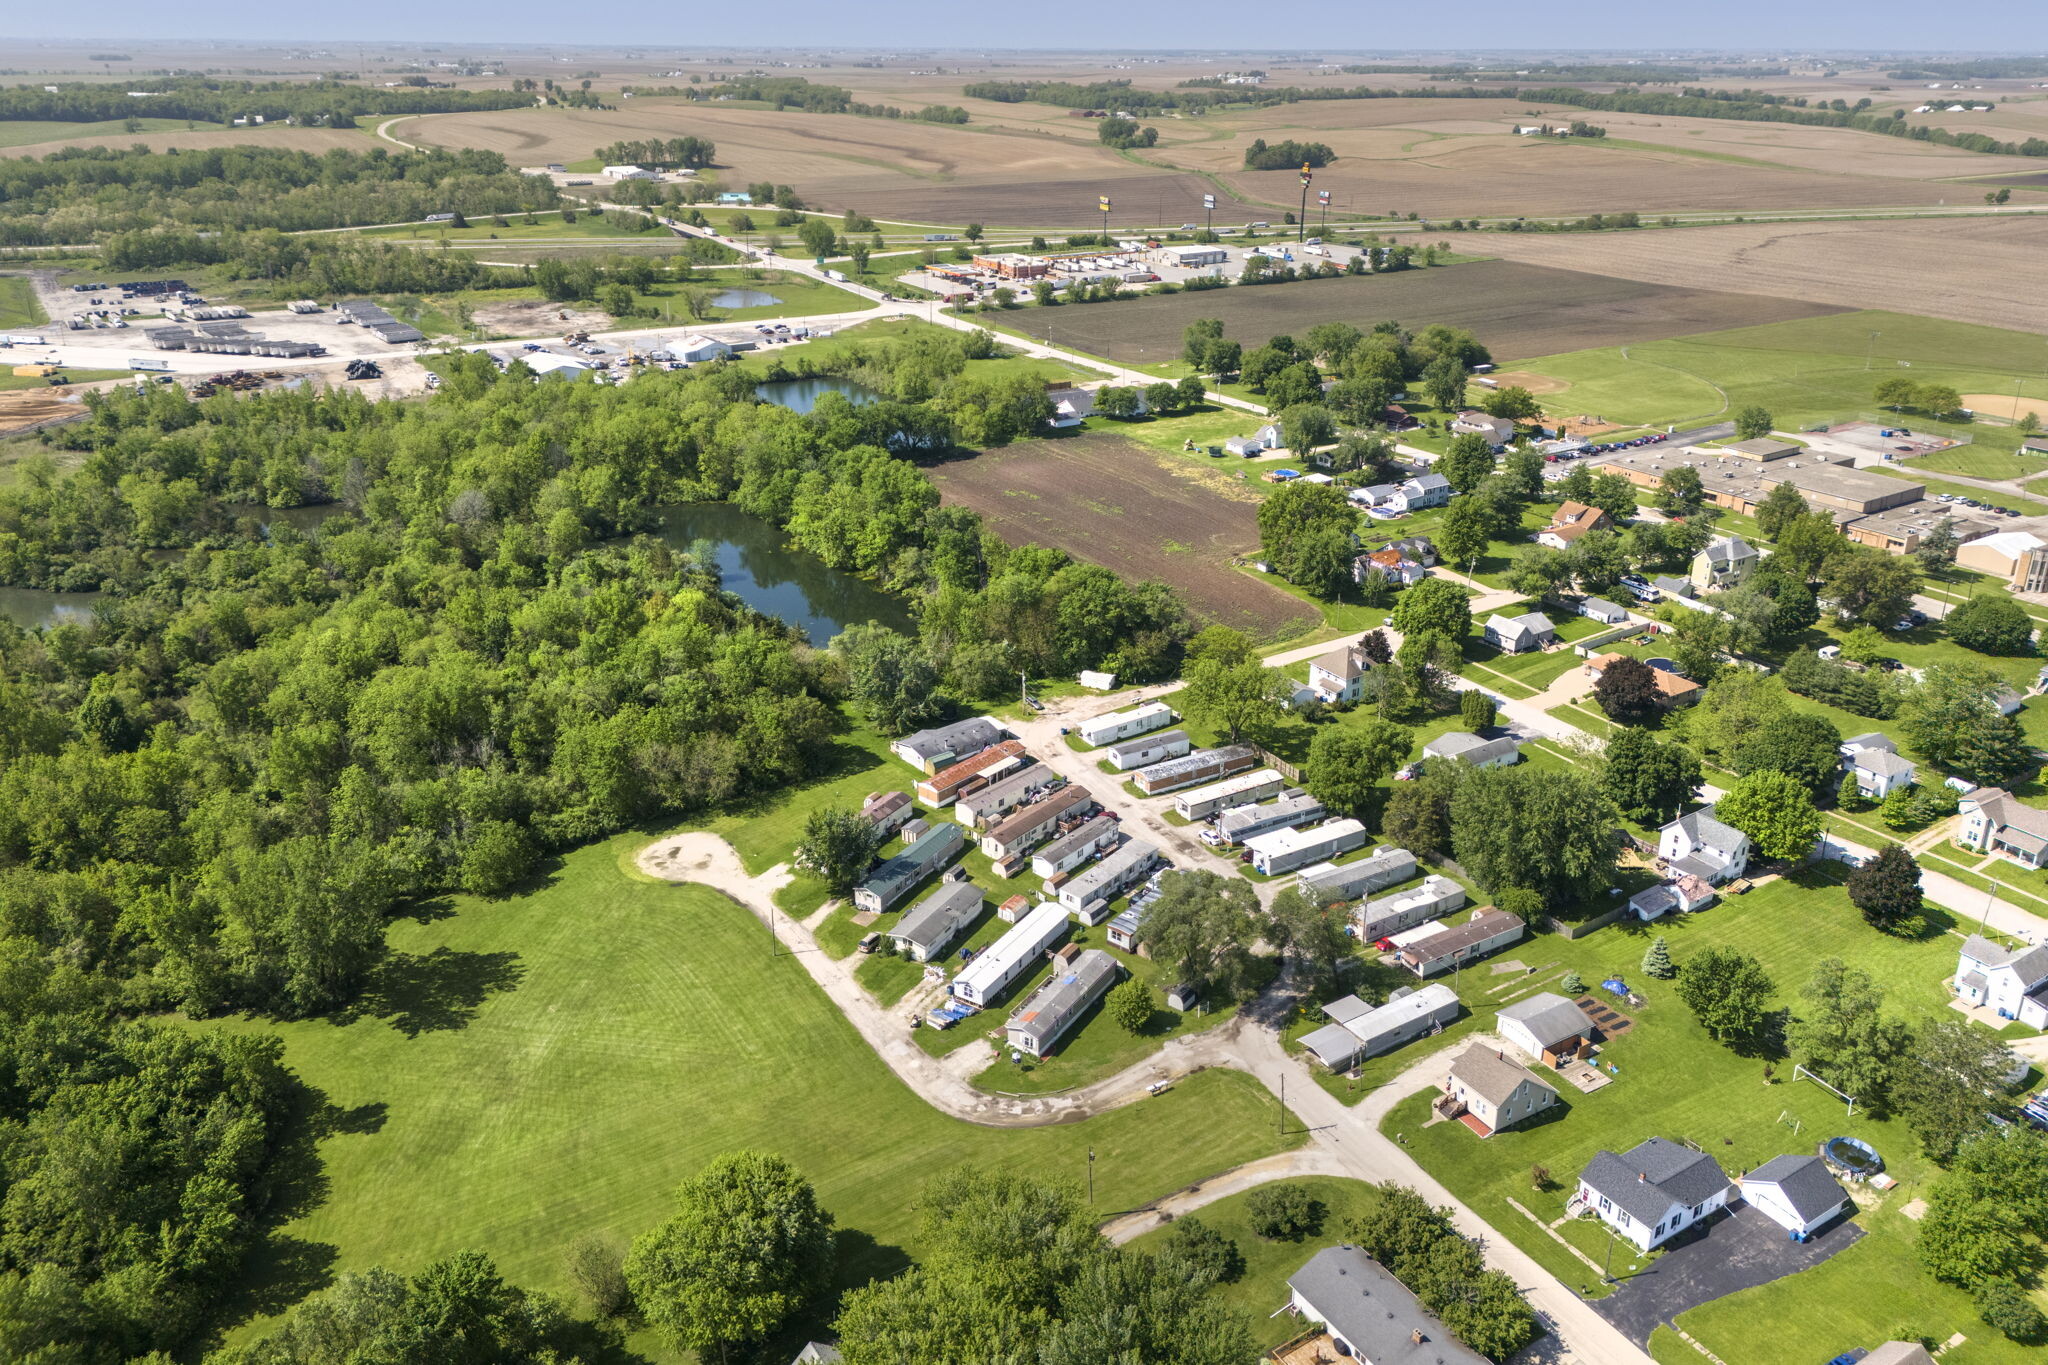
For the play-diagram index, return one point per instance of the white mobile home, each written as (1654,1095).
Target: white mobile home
(1454,944)
(1203,765)
(1360,1031)
(1048,1012)
(931,750)
(980,809)
(887,811)
(928,928)
(1010,956)
(1385,915)
(1283,850)
(1242,790)
(1089,894)
(1135,720)
(1246,822)
(1069,851)
(1026,828)
(1388,866)
(1146,750)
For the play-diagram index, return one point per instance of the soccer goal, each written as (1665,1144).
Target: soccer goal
(1800,1073)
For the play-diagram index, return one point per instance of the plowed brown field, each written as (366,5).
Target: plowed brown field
(1114,502)
(1964,269)
(1517,310)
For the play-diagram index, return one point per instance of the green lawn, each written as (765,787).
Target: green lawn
(555,1062)
(1977,461)
(1675,1082)
(1263,1286)
(26,132)
(18,304)
(11,381)
(542,227)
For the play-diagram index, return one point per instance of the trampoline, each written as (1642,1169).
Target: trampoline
(1853,1157)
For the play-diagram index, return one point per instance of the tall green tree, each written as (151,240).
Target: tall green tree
(1240,700)
(1436,605)
(1839,1031)
(1752,422)
(1346,764)
(1466,462)
(1955,1086)
(1775,810)
(1551,831)
(1886,889)
(837,847)
(1646,779)
(1729,992)
(1783,504)
(1202,925)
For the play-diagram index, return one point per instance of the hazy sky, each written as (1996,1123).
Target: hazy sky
(2009,26)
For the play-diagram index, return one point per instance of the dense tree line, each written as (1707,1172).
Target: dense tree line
(1285,156)
(324,103)
(795,92)
(1760,107)
(91,194)
(695,153)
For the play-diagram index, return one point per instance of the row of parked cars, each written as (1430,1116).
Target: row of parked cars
(1959,500)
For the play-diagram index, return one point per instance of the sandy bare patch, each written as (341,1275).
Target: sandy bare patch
(536,317)
(2005,406)
(1526,379)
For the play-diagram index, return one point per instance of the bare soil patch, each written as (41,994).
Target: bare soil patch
(1528,379)
(26,409)
(1517,310)
(538,317)
(1964,269)
(1113,502)
(2005,406)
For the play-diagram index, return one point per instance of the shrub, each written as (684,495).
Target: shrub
(2004,1305)
(1992,625)
(1285,1213)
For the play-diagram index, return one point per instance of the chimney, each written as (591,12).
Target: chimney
(1642,1177)
(1416,1336)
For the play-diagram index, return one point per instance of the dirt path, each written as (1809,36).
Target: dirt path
(1157,1214)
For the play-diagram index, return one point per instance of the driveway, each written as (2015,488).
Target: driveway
(1738,1251)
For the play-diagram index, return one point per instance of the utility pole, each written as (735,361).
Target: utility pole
(1323,198)
(1871,351)
(1282,1123)
(1091,1175)
(1301,222)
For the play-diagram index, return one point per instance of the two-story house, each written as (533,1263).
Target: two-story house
(1573,520)
(1653,1191)
(1874,764)
(1424,490)
(1724,563)
(1338,675)
(2011,982)
(1702,846)
(1994,821)
(1498,431)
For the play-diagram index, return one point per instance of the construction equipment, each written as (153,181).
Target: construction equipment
(365,369)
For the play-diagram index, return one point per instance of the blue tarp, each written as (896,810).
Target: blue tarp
(1614,985)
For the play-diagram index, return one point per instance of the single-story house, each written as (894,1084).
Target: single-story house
(1724,563)
(818,1353)
(894,879)
(1681,894)
(1357,1030)
(1370,1316)
(2011,982)
(1467,747)
(1037,1025)
(1994,821)
(1020,948)
(1703,846)
(1338,675)
(1071,407)
(696,349)
(1259,442)
(1145,750)
(1876,766)
(1278,851)
(1573,520)
(1498,431)
(1071,850)
(1454,944)
(1548,1027)
(1421,549)
(1653,1191)
(1519,634)
(887,811)
(1487,1092)
(1390,564)
(1798,1193)
(1328,883)
(930,926)
(1383,916)
(930,750)
(1673,689)
(2008,701)
(1605,612)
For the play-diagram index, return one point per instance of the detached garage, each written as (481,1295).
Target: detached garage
(1796,1192)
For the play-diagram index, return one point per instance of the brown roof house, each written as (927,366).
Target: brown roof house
(1573,520)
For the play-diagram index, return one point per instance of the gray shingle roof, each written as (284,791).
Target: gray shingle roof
(1871,740)
(933,921)
(967,736)
(1702,828)
(1493,1077)
(1669,1174)
(1805,1183)
(1884,763)
(1374,1313)
(1552,1019)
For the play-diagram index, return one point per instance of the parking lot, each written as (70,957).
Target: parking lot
(1134,264)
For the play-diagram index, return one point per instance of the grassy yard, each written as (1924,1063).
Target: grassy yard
(550,1064)
(1675,1082)
(10,381)
(18,304)
(1263,1286)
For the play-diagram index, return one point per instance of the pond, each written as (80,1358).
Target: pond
(32,607)
(760,568)
(742,298)
(801,395)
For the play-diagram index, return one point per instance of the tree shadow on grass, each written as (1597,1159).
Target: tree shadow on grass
(437,991)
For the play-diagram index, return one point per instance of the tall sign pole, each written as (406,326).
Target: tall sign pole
(1209,214)
(1323,198)
(1103,201)
(1301,221)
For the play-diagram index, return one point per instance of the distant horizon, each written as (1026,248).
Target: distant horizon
(1818,27)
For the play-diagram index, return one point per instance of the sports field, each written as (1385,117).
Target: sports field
(1517,310)
(1112,501)
(552,1064)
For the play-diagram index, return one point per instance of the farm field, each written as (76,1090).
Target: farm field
(1963,269)
(1147,515)
(553,1063)
(1675,1082)
(173,134)
(1517,310)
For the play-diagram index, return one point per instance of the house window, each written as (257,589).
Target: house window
(1604,1205)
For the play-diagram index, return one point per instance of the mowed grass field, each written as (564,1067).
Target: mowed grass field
(1963,269)
(1675,1082)
(1112,501)
(552,1064)
(1517,310)
(1805,371)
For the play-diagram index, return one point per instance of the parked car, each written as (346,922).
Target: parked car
(870,942)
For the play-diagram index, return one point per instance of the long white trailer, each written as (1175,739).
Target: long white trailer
(1284,850)
(1010,956)
(1242,790)
(1135,720)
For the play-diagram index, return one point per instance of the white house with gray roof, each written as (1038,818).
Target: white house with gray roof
(1654,1191)
(928,928)
(1798,1193)
(1467,747)
(1370,1316)
(2010,982)
(1701,845)
(1874,764)
(1520,634)
(1548,1027)
(1385,866)
(1424,490)
(1724,563)
(1408,907)
(1994,821)
(931,750)
(1487,1092)
(1089,893)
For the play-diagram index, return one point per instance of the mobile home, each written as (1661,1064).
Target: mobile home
(1242,790)
(928,928)
(1203,765)
(1388,866)
(1135,720)
(1069,851)
(1146,750)
(1010,956)
(1283,850)
(1245,822)
(1025,829)
(1089,894)
(893,880)
(1048,1012)
(1385,915)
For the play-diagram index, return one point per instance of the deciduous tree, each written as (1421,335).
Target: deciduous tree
(1954,1087)
(1346,764)
(1627,690)
(1775,810)
(1991,625)
(1436,605)
(1545,829)
(1728,992)
(1203,926)
(837,846)
(1886,889)
(1646,779)
(1841,1033)
(1752,422)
